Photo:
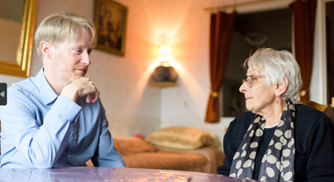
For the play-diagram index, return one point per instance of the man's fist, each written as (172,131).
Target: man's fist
(80,88)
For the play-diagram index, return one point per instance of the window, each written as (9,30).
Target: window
(330,49)
(271,29)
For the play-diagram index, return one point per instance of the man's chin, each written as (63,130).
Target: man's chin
(75,77)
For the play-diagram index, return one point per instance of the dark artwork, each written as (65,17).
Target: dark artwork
(110,30)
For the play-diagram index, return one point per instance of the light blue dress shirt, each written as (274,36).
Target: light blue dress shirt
(43,130)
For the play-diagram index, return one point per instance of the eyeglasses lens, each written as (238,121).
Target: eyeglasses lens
(248,80)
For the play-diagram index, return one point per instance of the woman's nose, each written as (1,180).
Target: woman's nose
(243,87)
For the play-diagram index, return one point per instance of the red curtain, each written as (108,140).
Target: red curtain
(221,29)
(303,29)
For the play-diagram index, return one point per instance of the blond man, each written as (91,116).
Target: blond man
(56,118)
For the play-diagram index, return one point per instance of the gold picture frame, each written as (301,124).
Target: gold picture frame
(23,57)
(110,21)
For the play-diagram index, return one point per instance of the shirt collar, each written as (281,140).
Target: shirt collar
(47,93)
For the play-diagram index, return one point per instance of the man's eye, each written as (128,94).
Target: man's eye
(78,51)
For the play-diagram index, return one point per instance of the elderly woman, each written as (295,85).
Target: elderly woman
(277,140)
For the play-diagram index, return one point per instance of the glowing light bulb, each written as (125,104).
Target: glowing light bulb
(165,54)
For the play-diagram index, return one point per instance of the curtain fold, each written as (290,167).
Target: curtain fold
(221,29)
(303,30)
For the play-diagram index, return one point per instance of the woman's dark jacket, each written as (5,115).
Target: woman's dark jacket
(314,136)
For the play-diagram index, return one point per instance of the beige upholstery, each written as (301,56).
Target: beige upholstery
(89,163)
(184,138)
(314,105)
(327,109)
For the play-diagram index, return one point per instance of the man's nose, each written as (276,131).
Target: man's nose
(86,59)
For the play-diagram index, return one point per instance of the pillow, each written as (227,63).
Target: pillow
(181,138)
(132,145)
(329,111)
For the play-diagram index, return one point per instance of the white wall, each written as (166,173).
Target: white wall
(186,105)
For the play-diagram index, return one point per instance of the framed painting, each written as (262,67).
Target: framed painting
(17,35)
(110,21)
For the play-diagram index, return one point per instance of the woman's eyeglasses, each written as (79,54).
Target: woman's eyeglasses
(250,79)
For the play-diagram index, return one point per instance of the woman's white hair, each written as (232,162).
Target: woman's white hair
(58,27)
(277,65)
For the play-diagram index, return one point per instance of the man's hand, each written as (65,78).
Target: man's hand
(80,88)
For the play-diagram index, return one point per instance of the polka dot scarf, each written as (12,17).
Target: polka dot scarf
(278,161)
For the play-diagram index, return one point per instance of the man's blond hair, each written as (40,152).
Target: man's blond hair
(58,27)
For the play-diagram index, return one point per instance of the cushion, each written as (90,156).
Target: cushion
(181,138)
(126,145)
(329,111)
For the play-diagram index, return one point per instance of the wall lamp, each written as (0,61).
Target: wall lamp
(164,72)
(165,55)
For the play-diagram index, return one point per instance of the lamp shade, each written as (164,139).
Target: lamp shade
(165,53)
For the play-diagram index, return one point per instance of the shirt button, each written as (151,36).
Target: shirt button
(69,156)
(73,132)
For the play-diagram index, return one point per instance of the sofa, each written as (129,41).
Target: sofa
(173,148)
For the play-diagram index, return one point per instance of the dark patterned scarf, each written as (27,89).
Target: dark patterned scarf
(278,161)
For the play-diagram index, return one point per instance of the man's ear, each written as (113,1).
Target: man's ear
(282,87)
(46,49)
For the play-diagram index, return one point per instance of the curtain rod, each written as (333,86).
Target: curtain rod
(238,4)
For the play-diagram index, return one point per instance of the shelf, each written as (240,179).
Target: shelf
(163,84)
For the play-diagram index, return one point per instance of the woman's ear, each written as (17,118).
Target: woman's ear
(46,49)
(282,87)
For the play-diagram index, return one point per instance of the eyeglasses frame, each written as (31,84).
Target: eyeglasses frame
(253,78)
